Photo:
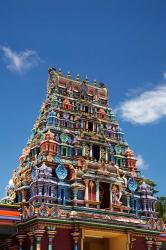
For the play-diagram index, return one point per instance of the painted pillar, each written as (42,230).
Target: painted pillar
(31,237)
(158,245)
(144,205)
(9,244)
(82,124)
(110,196)
(128,201)
(51,235)
(40,189)
(148,202)
(75,191)
(21,238)
(130,241)
(76,236)
(38,242)
(149,244)
(97,127)
(97,193)
(75,151)
(86,125)
(106,154)
(64,197)
(100,156)
(52,191)
(83,149)
(86,197)
(45,191)
(94,126)
(91,153)
(38,235)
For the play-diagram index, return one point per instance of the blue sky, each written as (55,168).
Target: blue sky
(121,43)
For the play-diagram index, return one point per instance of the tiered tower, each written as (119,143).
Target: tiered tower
(77,169)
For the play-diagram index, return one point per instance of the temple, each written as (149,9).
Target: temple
(77,186)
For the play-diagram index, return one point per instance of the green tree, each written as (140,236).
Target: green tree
(152,184)
(161,208)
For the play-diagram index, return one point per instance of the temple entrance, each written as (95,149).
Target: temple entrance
(96,244)
(96,239)
(96,152)
(104,195)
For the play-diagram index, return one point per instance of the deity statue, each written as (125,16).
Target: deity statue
(52,78)
(14,177)
(50,157)
(11,193)
(72,173)
(35,173)
(116,194)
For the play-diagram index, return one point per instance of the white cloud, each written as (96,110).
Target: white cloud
(148,107)
(11,182)
(141,163)
(22,61)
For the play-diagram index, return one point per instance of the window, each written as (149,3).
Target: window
(64,151)
(86,109)
(90,126)
(96,152)
(135,204)
(66,124)
(118,162)
(49,191)
(104,195)
(42,191)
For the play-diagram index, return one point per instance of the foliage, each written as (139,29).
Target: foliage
(161,208)
(152,184)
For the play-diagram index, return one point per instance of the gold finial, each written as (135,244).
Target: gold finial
(60,72)
(69,75)
(94,82)
(78,77)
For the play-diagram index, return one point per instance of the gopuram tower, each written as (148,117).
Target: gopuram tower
(77,185)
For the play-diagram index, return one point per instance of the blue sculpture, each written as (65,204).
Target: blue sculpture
(132,184)
(61,172)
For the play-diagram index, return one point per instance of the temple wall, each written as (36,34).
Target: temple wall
(63,240)
(139,244)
